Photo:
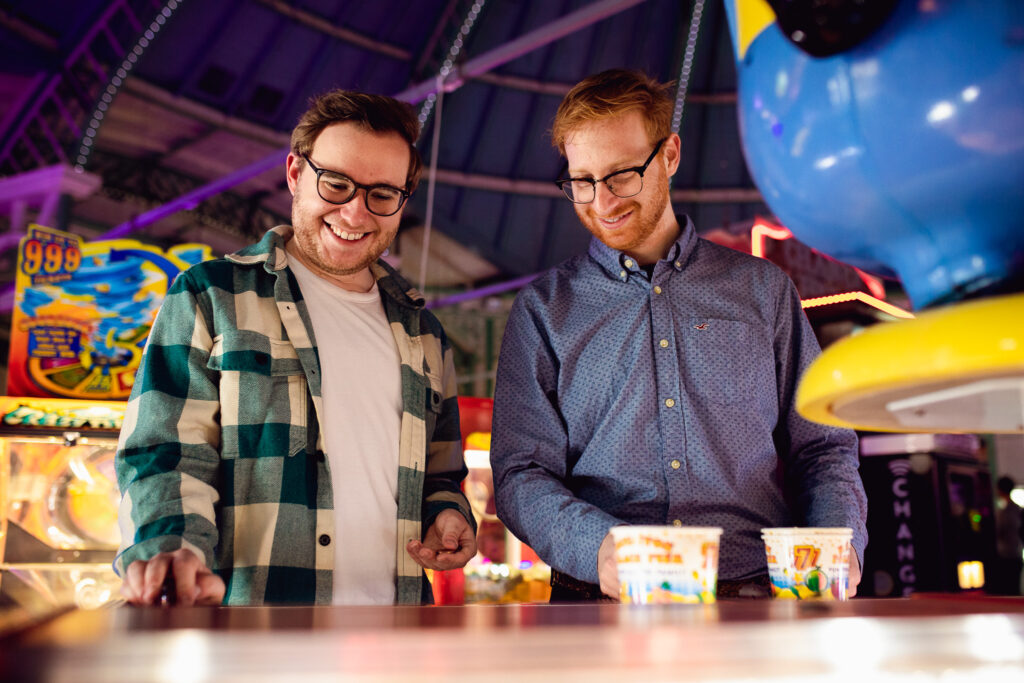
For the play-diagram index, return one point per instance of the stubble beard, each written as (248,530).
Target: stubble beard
(646,219)
(307,238)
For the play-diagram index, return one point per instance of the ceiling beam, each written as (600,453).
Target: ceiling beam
(27,31)
(324,26)
(537,38)
(208,115)
(431,45)
(560,89)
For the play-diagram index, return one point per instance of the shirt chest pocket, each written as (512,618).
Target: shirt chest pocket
(263,393)
(725,362)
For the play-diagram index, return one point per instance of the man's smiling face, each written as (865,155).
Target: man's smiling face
(339,242)
(642,225)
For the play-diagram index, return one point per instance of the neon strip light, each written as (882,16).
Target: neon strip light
(875,285)
(761,230)
(863,297)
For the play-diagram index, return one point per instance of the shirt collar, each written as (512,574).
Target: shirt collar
(620,265)
(270,252)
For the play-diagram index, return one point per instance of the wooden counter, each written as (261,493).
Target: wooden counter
(947,638)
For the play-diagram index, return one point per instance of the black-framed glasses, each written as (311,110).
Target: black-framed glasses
(337,188)
(625,183)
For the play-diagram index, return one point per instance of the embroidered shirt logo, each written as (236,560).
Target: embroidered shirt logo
(702,326)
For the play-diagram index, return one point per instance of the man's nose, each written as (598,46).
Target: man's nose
(604,199)
(355,210)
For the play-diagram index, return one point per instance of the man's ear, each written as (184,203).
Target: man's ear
(672,148)
(292,168)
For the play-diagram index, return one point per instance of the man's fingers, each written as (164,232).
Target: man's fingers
(452,560)
(144,580)
(450,540)
(129,590)
(185,568)
(414,548)
(209,589)
(131,584)
(156,570)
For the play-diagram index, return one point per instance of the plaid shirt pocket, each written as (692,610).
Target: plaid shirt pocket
(263,393)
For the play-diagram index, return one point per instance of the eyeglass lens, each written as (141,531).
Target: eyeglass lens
(338,189)
(625,184)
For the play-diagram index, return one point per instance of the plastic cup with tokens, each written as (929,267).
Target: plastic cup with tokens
(808,563)
(666,564)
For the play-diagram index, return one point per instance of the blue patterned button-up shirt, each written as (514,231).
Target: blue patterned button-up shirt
(668,400)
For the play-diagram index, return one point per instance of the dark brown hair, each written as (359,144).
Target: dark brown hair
(378,113)
(613,93)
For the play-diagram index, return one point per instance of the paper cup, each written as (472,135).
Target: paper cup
(807,563)
(666,564)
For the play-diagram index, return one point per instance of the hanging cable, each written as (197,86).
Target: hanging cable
(127,64)
(684,71)
(431,182)
(453,54)
(435,99)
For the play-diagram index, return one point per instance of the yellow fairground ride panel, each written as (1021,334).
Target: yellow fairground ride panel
(955,369)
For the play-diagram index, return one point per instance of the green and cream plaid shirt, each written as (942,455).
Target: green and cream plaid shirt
(221,451)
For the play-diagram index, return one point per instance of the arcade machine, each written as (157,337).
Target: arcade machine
(504,570)
(59,497)
(930,513)
(887,134)
(81,318)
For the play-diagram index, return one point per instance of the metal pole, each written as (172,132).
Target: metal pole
(429,223)
(483,291)
(526,43)
(191,199)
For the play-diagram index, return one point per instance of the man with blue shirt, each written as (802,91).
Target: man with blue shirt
(651,380)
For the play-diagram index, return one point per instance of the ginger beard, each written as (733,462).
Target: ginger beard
(643,225)
(640,220)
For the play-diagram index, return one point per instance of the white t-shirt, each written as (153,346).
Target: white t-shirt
(362,417)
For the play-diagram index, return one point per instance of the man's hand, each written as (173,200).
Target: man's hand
(854,575)
(449,544)
(195,584)
(607,570)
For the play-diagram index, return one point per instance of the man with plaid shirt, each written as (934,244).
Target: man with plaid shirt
(293,432)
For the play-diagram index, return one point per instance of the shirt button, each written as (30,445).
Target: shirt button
(677,522)
(657,289)
(674,464)
(622,274)
(669,402)
(678,265)
(663,343)
(629,263)
(325,539)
